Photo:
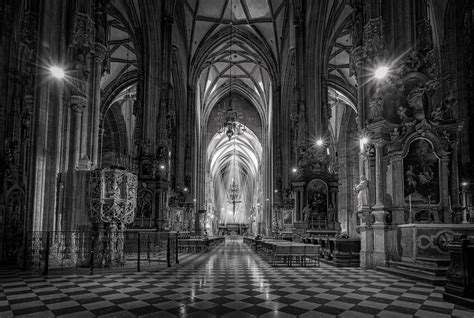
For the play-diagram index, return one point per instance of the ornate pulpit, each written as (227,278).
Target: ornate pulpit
(112,196)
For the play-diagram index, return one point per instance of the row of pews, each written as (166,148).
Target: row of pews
(338,251)
(284,253)
(189,244)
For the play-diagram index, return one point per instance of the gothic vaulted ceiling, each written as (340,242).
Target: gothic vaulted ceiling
(121,69)
(238,39)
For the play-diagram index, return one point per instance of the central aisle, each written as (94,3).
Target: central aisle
(229,281)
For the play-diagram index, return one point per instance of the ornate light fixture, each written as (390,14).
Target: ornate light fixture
(234,191)
(230,125)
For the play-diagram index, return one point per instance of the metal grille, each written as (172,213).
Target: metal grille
(48,250)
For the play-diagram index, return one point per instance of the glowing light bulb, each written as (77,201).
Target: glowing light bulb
(319,142)
(57,72)
(294,170)
(381,72)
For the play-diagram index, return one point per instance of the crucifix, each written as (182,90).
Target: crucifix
(233,196)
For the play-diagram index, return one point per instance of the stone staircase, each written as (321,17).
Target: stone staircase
(426,270)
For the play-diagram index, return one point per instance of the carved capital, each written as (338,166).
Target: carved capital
(100,52)
(357,55)
(77,104)
(380,216)
(378,143)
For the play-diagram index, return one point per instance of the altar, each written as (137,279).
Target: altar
(236,228)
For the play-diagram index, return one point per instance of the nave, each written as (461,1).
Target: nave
(229,281)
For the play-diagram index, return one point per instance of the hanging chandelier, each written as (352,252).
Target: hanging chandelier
(234,191)
(230,126)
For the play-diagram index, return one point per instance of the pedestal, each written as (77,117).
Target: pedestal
(460,286)
(366,246)
(379,227)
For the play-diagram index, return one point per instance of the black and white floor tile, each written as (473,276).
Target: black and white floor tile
(229,281)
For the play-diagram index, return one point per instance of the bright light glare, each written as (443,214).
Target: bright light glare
(464,184)
(381,72)
(57,72)
(294,170)
(363,141)
(319,142)
(162,167)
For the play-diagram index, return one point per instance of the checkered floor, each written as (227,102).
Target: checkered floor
(230,281)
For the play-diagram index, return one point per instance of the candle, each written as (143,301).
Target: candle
(449,198)
(409,199)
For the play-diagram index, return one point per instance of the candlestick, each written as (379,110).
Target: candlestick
(450,208)
(409,199)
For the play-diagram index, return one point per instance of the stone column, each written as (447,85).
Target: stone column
(367,168)
(366,239)
(333,190)
(398,199)
(159,217)
(464,204)
(379,182)
(358,60)
(299,199)
(99,55)
(454,176)
(77,104)
(379,212)
(444,195)
(101,145)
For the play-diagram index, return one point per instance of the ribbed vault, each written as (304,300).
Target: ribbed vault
(237,160)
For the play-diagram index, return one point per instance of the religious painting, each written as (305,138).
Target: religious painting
(146,170)
(317,191)
(421,173)
(144,203)
(287,216)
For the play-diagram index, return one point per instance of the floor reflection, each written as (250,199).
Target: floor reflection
(229,281)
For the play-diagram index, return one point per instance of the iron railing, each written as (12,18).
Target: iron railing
(47,250)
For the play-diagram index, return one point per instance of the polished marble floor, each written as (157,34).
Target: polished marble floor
(229,281)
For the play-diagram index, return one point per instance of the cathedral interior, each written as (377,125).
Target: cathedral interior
(343,124)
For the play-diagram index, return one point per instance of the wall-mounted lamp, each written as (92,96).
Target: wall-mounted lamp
(381,72)
(57,72)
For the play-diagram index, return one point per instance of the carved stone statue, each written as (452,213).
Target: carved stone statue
(331,213)
(376,105)
(362,190)
(415,101)
(306,213)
